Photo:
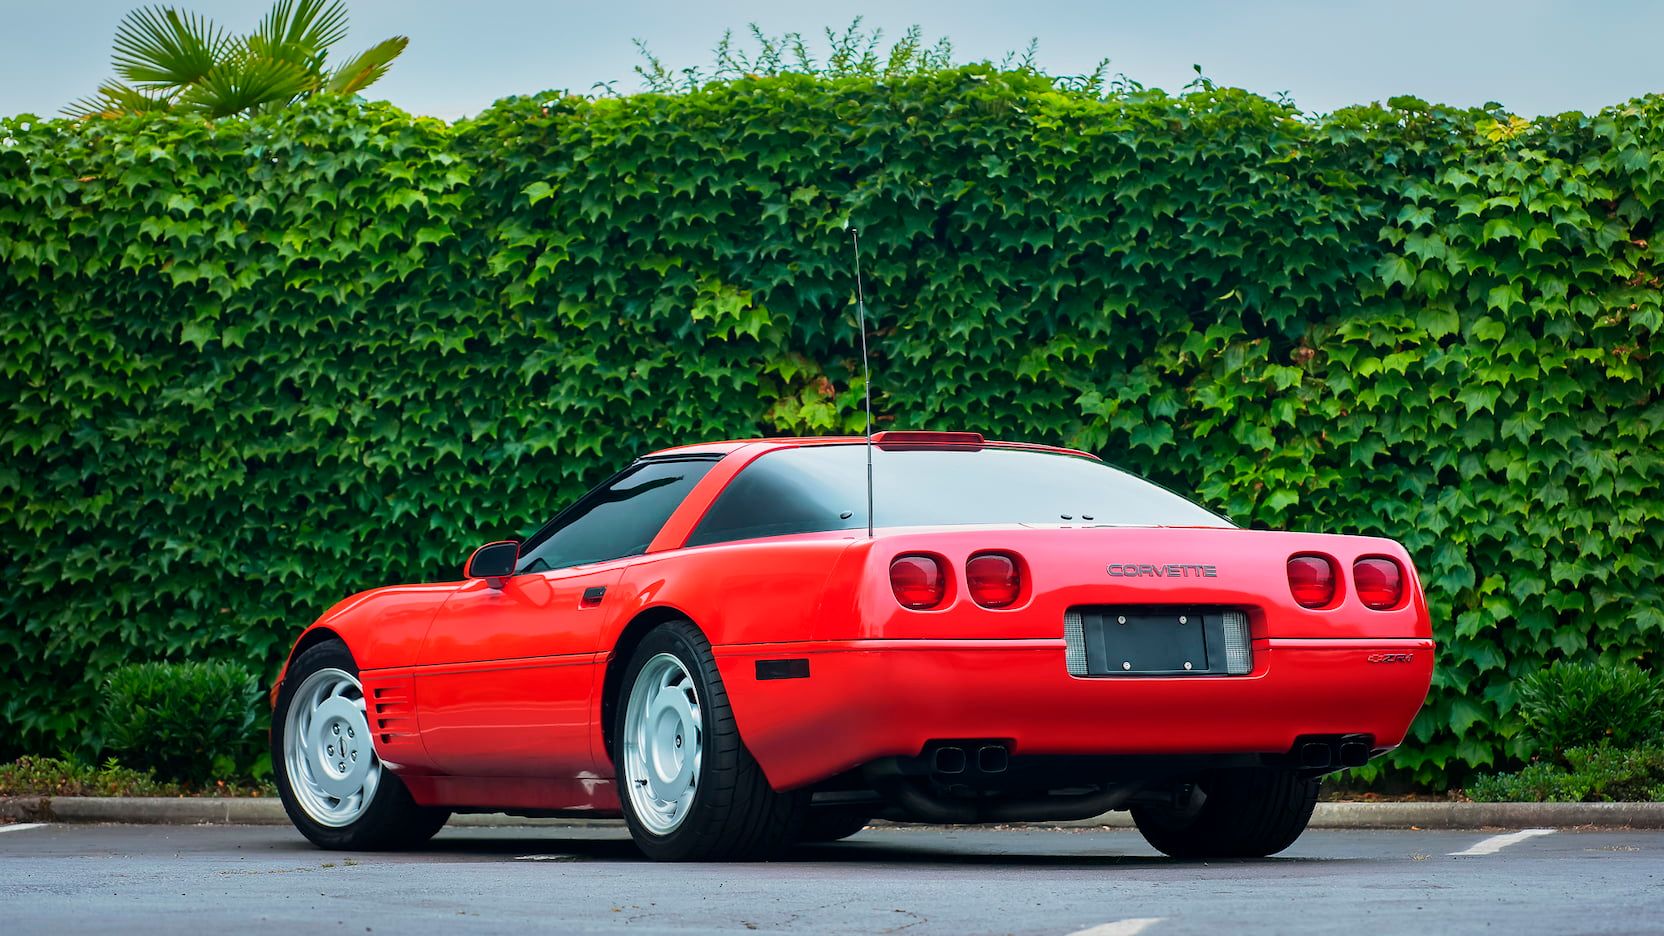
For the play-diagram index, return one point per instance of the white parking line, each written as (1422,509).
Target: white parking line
(1120,927)
(1497,843)
(19,827)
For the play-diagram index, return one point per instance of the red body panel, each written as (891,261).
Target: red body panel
(504,678)
(871,699)
(388,624)
(1066,566)
(491,698)
(886,679)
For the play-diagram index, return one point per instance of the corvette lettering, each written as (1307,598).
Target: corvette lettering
(1168,570)
(1392,657)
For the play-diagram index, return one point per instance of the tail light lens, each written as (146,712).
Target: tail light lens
(1312,580)
(1379,582)
(918,581)
(993,580)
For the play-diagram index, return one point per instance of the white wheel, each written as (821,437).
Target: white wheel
(334,788)
(333,768)
(663,744)
(691,791)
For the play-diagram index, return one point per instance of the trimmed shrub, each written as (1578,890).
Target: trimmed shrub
(1575,705)
(54,776)
(189,722)
(1592,774)
(69,776)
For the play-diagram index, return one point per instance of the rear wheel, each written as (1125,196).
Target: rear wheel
(1244,813)
(690,789)
(332,784)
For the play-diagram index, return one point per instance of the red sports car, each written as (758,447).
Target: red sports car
(744,645)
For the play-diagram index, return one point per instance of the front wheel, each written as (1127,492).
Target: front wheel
(690,789)
(332,784)
(1244,813)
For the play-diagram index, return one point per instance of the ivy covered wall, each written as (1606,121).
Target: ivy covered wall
(252,366)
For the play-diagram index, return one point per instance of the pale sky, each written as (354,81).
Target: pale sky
(1534,56)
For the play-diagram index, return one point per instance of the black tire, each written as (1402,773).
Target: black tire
(734,814)
(1246,813)
(833,823)
(392,821)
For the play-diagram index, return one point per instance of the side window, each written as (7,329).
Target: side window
(779,494)
(617,519)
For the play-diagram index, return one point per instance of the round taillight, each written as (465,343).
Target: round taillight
(993,580)
(1312,580)
(1379,583)
(918,581)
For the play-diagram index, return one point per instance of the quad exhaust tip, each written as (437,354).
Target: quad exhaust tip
(1334,752)
(1316,755)
(1353,753)
(992,759)
(985,758)
(950,760)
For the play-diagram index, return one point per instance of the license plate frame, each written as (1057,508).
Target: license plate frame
(1153,641)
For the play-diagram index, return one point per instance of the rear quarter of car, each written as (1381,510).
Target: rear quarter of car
(1054,674)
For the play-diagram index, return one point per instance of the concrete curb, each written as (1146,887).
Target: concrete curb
(189,810)
(1488,815)
(248,811)
(1453,816)
(143,810)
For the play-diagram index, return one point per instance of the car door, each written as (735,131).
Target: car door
(505,674)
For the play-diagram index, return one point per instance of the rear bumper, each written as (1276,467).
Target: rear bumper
(867,699)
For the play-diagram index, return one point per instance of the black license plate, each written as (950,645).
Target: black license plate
(1163,641)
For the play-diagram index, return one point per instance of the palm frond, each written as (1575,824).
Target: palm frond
(164,48)
(301,31)
(245,81)
(85,108)
(367,67)
(167,59)
(115,100)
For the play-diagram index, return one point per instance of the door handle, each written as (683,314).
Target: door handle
(593,596)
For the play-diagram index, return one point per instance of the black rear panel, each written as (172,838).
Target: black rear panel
(1157,640)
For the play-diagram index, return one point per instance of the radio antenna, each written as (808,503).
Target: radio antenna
(866,370)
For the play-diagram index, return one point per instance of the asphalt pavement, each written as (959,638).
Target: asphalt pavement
(1106,882)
